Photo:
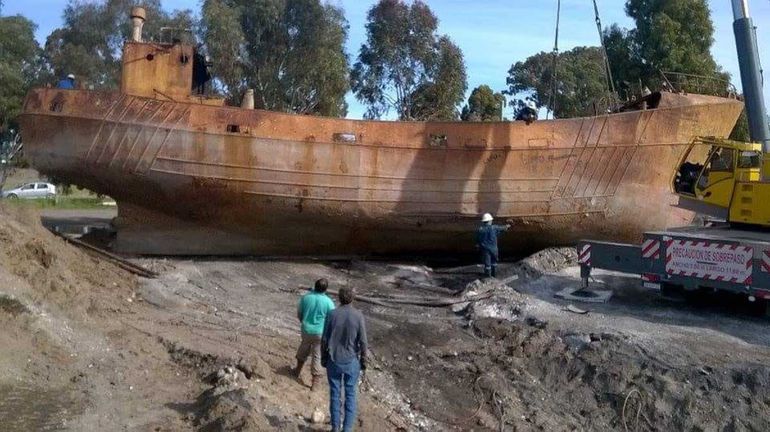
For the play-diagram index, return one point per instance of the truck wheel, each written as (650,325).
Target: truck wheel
(759,308)
(694,297)
(671,292)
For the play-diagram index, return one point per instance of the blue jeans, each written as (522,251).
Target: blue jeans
(339,375)
(489,259)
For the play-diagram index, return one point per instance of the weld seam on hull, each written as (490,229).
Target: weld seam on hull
(347,175)
(136,140)
(367,200)
(636,149)
(173,127)
(590,168)
(102,121)
(152,138)
(386,146)
(500,216)
(362,188)
(115,125)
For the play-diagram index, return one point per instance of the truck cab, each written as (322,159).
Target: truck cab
(726,184)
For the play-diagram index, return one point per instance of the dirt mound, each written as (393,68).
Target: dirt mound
(56,270)
(545,261)
(227,406)
(504,303)
(531,378)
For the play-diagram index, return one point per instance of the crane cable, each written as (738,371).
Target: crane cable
(607,67)
(551,107)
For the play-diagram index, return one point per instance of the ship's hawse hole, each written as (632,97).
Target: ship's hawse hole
(346,137)
(438,140)
(150,57)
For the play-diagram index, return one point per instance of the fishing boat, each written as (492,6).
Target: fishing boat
(192,176)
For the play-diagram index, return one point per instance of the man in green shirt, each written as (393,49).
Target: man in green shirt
(311,312)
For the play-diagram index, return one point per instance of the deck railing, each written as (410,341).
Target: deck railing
(700,84)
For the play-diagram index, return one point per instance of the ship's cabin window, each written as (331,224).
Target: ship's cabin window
(233,128)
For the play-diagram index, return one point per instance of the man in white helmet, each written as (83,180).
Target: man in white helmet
(67,82)
(486,241)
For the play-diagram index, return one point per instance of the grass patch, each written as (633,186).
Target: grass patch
(61,202)
(12,306)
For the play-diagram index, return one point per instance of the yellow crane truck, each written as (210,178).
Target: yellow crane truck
(732,185)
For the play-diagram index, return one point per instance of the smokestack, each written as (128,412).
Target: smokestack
(138,16)
(248,99)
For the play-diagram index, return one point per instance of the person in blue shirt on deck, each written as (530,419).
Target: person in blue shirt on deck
(486,241)
(67,83)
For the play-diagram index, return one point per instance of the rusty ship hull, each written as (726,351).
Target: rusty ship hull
(206,180)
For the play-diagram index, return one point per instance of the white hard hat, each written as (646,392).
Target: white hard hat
(71,76)
(531,104)
(487,218)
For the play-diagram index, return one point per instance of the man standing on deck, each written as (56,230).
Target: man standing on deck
(312,310)
(486,241)
(67,83)
(343,349)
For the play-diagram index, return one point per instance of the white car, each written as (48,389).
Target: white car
(31,191)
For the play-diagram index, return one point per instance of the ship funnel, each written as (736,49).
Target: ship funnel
(138,16)
(248,99)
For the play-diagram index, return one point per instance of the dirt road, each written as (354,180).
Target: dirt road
(208,345)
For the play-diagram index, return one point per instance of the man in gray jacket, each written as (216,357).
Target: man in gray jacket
(343,353)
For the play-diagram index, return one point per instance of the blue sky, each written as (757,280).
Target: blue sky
(493,34)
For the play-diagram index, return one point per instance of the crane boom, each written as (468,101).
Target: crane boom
(751,74)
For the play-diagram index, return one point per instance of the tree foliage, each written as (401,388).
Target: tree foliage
(404,65)
(20,67)
(580,83)
(291,52)
(483,105)
(90,41)
(438,99)
(669,36)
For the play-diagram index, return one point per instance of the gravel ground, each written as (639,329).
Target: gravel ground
(208,345)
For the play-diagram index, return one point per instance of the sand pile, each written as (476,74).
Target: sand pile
(55,270)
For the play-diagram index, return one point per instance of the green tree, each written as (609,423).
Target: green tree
(291,52)
(580,89)
(439,98)
(89,44)
(483,105)
(19,66)
(405,66)
(669,36)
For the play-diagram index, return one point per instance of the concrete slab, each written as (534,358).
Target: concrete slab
(585,296)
